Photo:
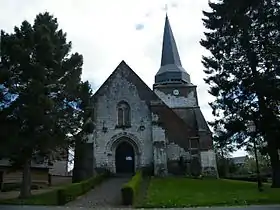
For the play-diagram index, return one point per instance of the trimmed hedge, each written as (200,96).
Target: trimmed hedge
(61,195)
(131,189)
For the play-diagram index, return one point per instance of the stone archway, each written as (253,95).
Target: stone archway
(123,142)
(125,158)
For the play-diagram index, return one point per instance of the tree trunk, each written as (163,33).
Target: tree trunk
(78,170)
(77,165)
(224,163)
(275,164)
(25,190)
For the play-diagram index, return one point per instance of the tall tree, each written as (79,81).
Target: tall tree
(45,81)
(243,68)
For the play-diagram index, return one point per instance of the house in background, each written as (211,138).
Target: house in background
(239,161)
(59,167)
(42,172)
(39,173)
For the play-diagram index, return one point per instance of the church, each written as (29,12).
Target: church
(162,129)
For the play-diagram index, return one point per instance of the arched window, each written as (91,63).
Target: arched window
(123,110)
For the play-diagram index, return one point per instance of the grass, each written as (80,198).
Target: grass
(184,192)
(45,198)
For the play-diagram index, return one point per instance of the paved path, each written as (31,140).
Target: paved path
(273,207)
(107,194)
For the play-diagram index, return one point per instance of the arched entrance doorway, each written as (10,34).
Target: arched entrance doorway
(125,158)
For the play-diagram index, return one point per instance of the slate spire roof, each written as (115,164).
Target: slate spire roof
(171,70)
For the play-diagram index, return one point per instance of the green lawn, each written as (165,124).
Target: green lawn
(184,192)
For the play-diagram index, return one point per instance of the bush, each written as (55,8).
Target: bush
(250,178)
(131,189)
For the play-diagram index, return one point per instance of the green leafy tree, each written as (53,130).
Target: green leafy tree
(264,163)
(44,79)
(243,38)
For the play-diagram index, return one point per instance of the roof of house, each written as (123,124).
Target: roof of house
(239,160)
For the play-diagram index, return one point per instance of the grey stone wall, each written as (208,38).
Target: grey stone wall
(179,101)
(159,149)
(174,152)
(105,119)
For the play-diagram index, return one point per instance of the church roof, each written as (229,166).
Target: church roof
(195,119)
(171,70)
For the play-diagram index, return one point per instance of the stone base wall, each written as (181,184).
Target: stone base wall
(208,163)
(159,150)
(178,159)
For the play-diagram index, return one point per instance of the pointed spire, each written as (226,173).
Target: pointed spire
(170,53)
(171,70)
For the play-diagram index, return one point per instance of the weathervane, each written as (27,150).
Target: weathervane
(166,7)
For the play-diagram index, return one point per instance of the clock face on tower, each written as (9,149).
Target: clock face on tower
(176,92)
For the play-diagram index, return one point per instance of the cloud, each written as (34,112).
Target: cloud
(104,34)
(174,5)
(139,26)
(148,14)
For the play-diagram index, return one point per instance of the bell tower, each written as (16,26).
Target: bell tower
(173,85)
(172,82)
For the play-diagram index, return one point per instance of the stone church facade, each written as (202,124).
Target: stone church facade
(163,128)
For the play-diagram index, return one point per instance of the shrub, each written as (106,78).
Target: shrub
(131,189)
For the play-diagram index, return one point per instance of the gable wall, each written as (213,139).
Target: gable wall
(117,89)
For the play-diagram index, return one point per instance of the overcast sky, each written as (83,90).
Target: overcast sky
(106,32)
